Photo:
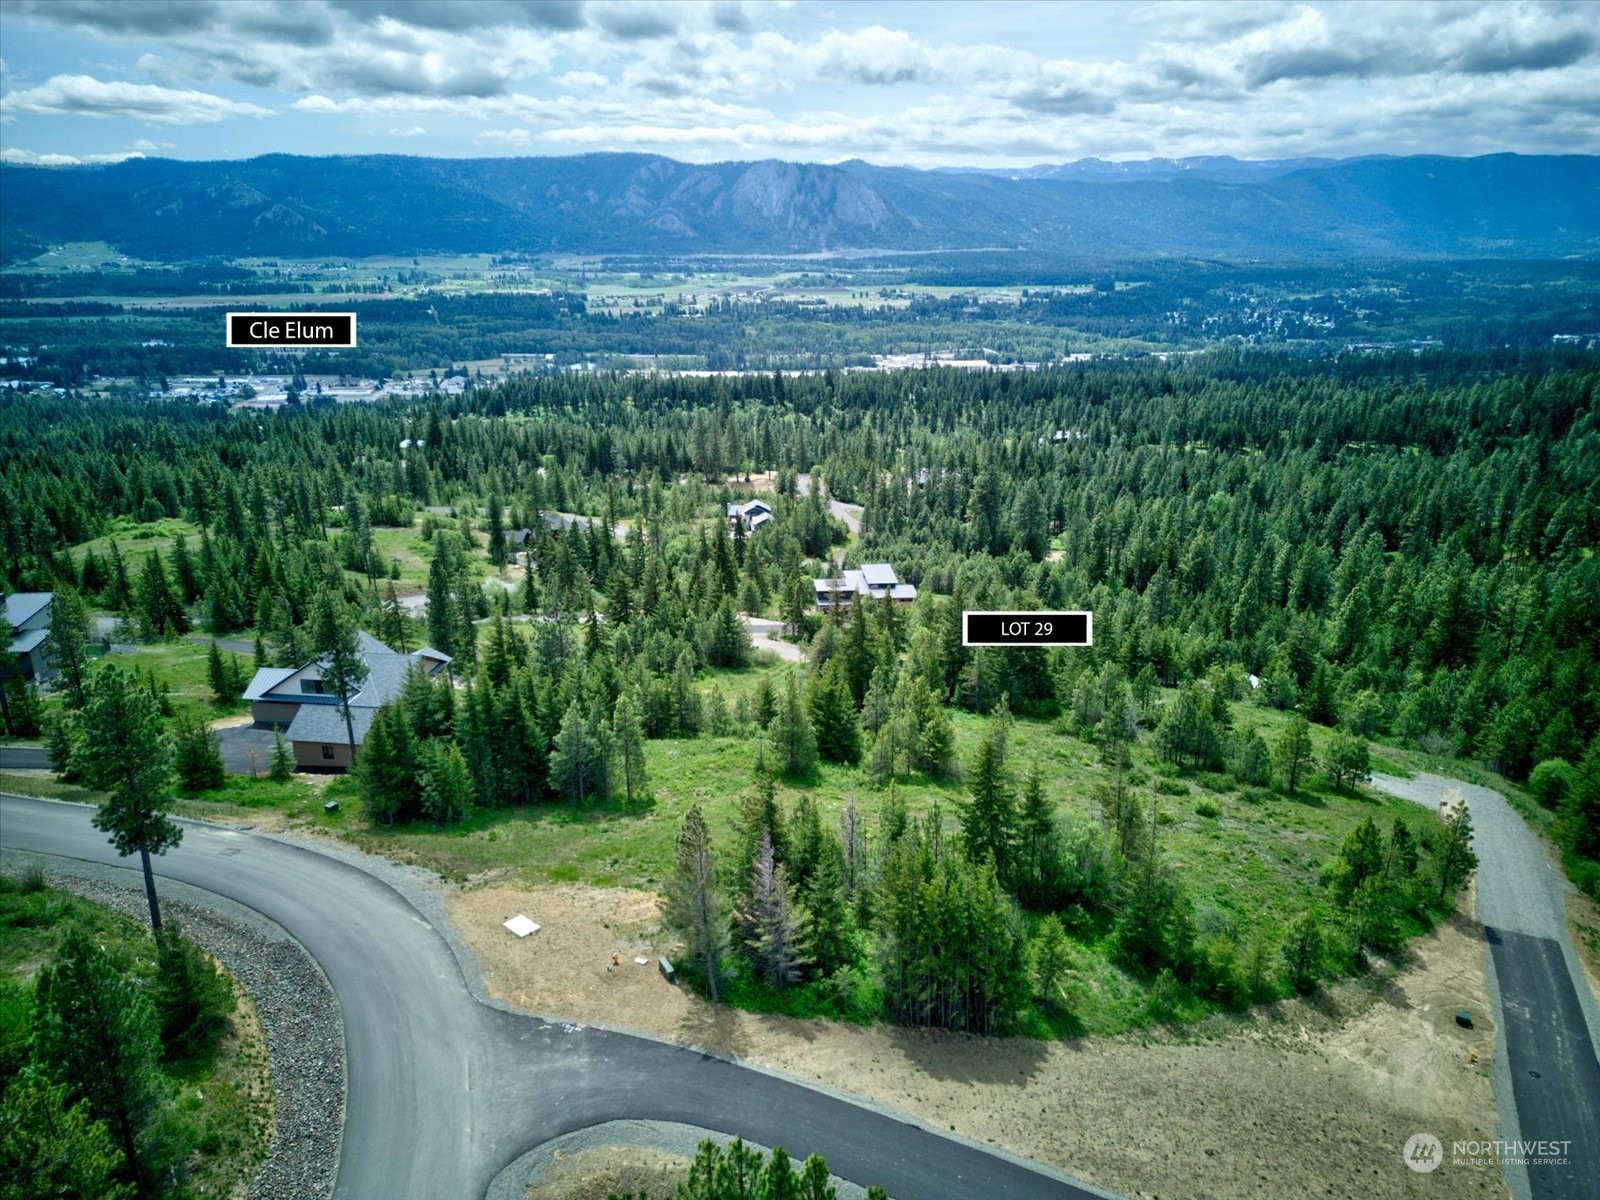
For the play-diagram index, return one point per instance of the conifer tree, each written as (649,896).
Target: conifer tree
(122,749)
(794,742)
(989,819)
(833,716)
(94,1033)
(695,905)
(68,646)
(630,751)
(192,996)
(1293,751)
(447,787)
(282,768)
(344,669)
(197,758)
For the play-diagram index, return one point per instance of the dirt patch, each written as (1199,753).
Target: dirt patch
(1583,921)
(603,1171)
(1301,1098)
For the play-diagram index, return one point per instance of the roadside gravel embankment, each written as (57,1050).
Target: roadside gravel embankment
(299,1012)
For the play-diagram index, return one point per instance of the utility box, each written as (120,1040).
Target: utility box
(332,806)
(667,972)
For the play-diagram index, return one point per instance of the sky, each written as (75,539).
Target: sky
(923,84)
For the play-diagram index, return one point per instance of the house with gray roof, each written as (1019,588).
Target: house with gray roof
(753,513)
(296,700)
(870,581)
(28,632)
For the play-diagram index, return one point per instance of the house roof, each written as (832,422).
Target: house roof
(31,640)
(903,591)
(386,677)
(368,644)
(325,723)
(757,520)
(24,606)
(878,575)
(265,679)
(748,507)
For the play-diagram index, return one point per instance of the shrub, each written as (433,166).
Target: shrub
(1207,808)
(1551,781)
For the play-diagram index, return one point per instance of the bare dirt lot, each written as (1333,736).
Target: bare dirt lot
(1303,1098)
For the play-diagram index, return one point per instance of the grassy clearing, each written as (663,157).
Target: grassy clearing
(218,1106)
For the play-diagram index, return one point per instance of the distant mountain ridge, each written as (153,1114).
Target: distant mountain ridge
(1495,206)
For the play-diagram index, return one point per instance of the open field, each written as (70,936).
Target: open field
(1322,1091)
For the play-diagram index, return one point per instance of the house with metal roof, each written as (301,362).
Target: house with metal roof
(296,700)
(871,581)
(28,632)
(753,513)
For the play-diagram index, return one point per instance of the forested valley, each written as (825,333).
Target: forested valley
(1290,565)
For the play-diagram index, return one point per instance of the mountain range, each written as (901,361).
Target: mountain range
(1496,206)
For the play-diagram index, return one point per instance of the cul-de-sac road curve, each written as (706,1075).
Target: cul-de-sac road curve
(444,1091)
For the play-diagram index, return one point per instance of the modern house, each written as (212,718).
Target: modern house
(312,718)
(28,629)
(754,514)
(872,581)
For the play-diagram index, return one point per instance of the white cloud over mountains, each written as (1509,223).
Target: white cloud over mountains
(895,82)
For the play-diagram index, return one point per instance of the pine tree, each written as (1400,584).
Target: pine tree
(94,1033)
(774,927)
(67,649)
(1456,857)
(695,905)
(574,759)
(160,613)
(197,758)
(344,669)
(1052,958)
(55,1145)
(794,742)
(1293,750)
(630,751)
(989,819)
(122,749)
(193,998)
(833,716)
(282,768)
(448,790)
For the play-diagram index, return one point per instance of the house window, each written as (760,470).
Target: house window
(311,687)
(327,752)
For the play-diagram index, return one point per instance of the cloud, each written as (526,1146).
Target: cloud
(148,18)
(27,158)
(506,137)
(85,96)
(635,20)
(462,16)
(409,131)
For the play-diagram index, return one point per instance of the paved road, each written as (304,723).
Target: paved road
(245,749)
(445,1091)
(235,743)
(1547,1080)
(850,514)
(764,636)
(24,758)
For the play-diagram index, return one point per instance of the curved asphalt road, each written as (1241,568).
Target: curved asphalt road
(444,1091)
(1547,1080)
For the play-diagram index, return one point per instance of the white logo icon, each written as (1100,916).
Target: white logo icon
(1423,1153)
